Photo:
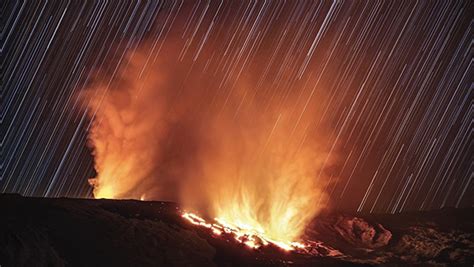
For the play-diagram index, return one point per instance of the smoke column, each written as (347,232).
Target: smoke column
(251,155)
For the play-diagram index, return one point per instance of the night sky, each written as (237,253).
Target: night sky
(392,81)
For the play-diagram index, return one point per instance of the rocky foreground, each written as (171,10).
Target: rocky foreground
(84,232)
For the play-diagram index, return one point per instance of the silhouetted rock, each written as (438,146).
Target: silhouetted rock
(86,232)
(362,234)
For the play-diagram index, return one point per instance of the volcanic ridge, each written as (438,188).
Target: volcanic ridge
(88,232)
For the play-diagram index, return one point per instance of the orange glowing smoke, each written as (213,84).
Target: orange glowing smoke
(254,162)
(124,132)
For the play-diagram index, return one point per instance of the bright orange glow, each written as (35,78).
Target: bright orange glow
(259,180)
(255,163)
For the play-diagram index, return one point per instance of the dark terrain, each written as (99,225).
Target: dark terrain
(85,232)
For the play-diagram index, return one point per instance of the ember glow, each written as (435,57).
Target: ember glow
(253,238)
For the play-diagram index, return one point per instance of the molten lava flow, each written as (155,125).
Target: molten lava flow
(252,238)
(256,239)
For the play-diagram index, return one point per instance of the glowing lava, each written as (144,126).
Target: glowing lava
(252,238)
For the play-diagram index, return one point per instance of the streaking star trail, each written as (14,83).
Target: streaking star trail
(236,133)
(377,95)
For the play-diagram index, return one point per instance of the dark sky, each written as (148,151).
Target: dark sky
(391,80)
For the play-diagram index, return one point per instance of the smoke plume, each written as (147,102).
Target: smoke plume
(164,128)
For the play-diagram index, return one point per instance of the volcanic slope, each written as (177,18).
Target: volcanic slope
(87,232)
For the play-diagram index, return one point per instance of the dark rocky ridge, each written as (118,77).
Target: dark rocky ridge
(86,232)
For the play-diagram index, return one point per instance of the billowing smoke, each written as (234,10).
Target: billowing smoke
(248,154)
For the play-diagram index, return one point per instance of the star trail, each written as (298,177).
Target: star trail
(391,80)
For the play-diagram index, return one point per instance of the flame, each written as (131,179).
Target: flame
(259,179)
